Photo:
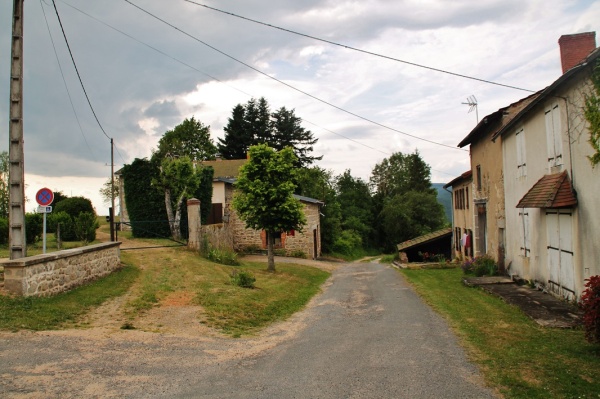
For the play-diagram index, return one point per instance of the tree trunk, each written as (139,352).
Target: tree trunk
(270,255)
(168,205)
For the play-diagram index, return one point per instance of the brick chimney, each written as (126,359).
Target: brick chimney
(575,48)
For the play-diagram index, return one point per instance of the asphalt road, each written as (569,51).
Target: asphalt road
(368,335)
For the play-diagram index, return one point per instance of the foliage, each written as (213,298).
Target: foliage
(298,254)
(145,205)
(592,114)
(85,227)
(188,139)
(480,266)
(242,278)
(4,189)
(204,194)
(34,226)
(253,123)
(401,173)
(264,197)
(222,256)
(3,231)
(66,223)
(58,197)
(74,206)
(431,257)
(590,303)
(108,191)
(355,200)
(348,243)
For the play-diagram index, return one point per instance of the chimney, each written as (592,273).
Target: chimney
(575,48)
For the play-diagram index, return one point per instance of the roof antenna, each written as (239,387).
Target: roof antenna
(472,103)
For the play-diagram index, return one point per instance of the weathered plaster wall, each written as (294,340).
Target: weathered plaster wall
(49,274)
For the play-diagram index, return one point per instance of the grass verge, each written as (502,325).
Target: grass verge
(49,313)
(517,356)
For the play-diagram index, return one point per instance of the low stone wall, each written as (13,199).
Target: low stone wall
(49,274)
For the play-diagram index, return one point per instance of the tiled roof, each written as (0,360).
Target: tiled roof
(426,238)
(551,191)
(225,168)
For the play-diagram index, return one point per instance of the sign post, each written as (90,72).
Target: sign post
(44,198)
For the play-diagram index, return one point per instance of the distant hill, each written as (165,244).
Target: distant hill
(444,198)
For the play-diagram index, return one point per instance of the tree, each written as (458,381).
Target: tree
(355,200)
(288,132)
(264,194)
(190,138)
(178,179)
(109,191)
(400,174)
(4,190)
(253,124)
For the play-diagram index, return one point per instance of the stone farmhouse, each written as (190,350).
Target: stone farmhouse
(534,192)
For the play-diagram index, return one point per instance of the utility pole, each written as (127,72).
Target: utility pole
(112,192)
(16,214)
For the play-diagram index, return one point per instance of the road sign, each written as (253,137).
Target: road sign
(44,196)
(44,209)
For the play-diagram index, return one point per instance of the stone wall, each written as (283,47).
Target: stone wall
(49,274)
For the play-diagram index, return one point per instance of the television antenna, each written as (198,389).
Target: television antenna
(472,103)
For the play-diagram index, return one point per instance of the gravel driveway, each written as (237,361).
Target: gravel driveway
(367,335)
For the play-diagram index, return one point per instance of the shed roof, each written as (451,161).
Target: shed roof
(551,191)
(425,238)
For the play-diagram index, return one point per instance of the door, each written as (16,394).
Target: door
(559,229)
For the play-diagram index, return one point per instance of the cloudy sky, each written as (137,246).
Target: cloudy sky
(143,76)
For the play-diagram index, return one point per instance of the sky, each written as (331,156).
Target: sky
(144,76)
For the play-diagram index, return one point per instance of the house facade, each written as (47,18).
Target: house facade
(462,215)
(551,188)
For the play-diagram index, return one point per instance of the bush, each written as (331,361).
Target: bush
(222,256)
(348,243)
(590,303)
(242,279)
(74,206)
(299,254)
(67,226)
(34,226)
(3,231)
(85,227)
(480,266)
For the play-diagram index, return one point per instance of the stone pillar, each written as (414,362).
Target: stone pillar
(193,211)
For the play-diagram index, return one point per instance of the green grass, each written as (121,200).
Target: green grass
(55,312)
(517,356)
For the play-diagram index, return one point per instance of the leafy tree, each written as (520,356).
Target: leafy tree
(58,196)
(592,114)
(4,189)
(288,132)
(355,200)
(178,179)
(236,142)
(190,138)
(109,191)
(264,197)
(73,206)
(400,174)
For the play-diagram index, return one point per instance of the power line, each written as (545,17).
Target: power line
(287,84)
(360,50)
(77,70)
(65,82)
(204,73)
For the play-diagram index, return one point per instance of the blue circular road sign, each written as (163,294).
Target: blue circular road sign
(44,196)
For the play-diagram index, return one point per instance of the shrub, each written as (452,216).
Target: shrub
(348,243)
(242,279)
(74,206)
(3,231)
(590,303)
(85,227)
(67,226)
(480,266)
(299,254)
(279,252)
(34,225)
(223,256)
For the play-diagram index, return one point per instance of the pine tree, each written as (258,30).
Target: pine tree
(288,132)
(237,139)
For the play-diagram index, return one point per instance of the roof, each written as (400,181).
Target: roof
(225,168)
(298,197)
(550,90)
(468,175)
(426,238)
(551,191)
(497,120)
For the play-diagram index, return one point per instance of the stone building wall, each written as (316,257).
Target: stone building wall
(49,274)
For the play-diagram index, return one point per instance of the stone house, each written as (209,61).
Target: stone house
(551,189)
(224,217)
(462,214)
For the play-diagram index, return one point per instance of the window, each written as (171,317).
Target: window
(467,194)
(524,230)
(216,214)
(553,136)
(521,164)
(478,177)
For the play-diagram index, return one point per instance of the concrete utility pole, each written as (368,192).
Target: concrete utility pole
(16,214)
